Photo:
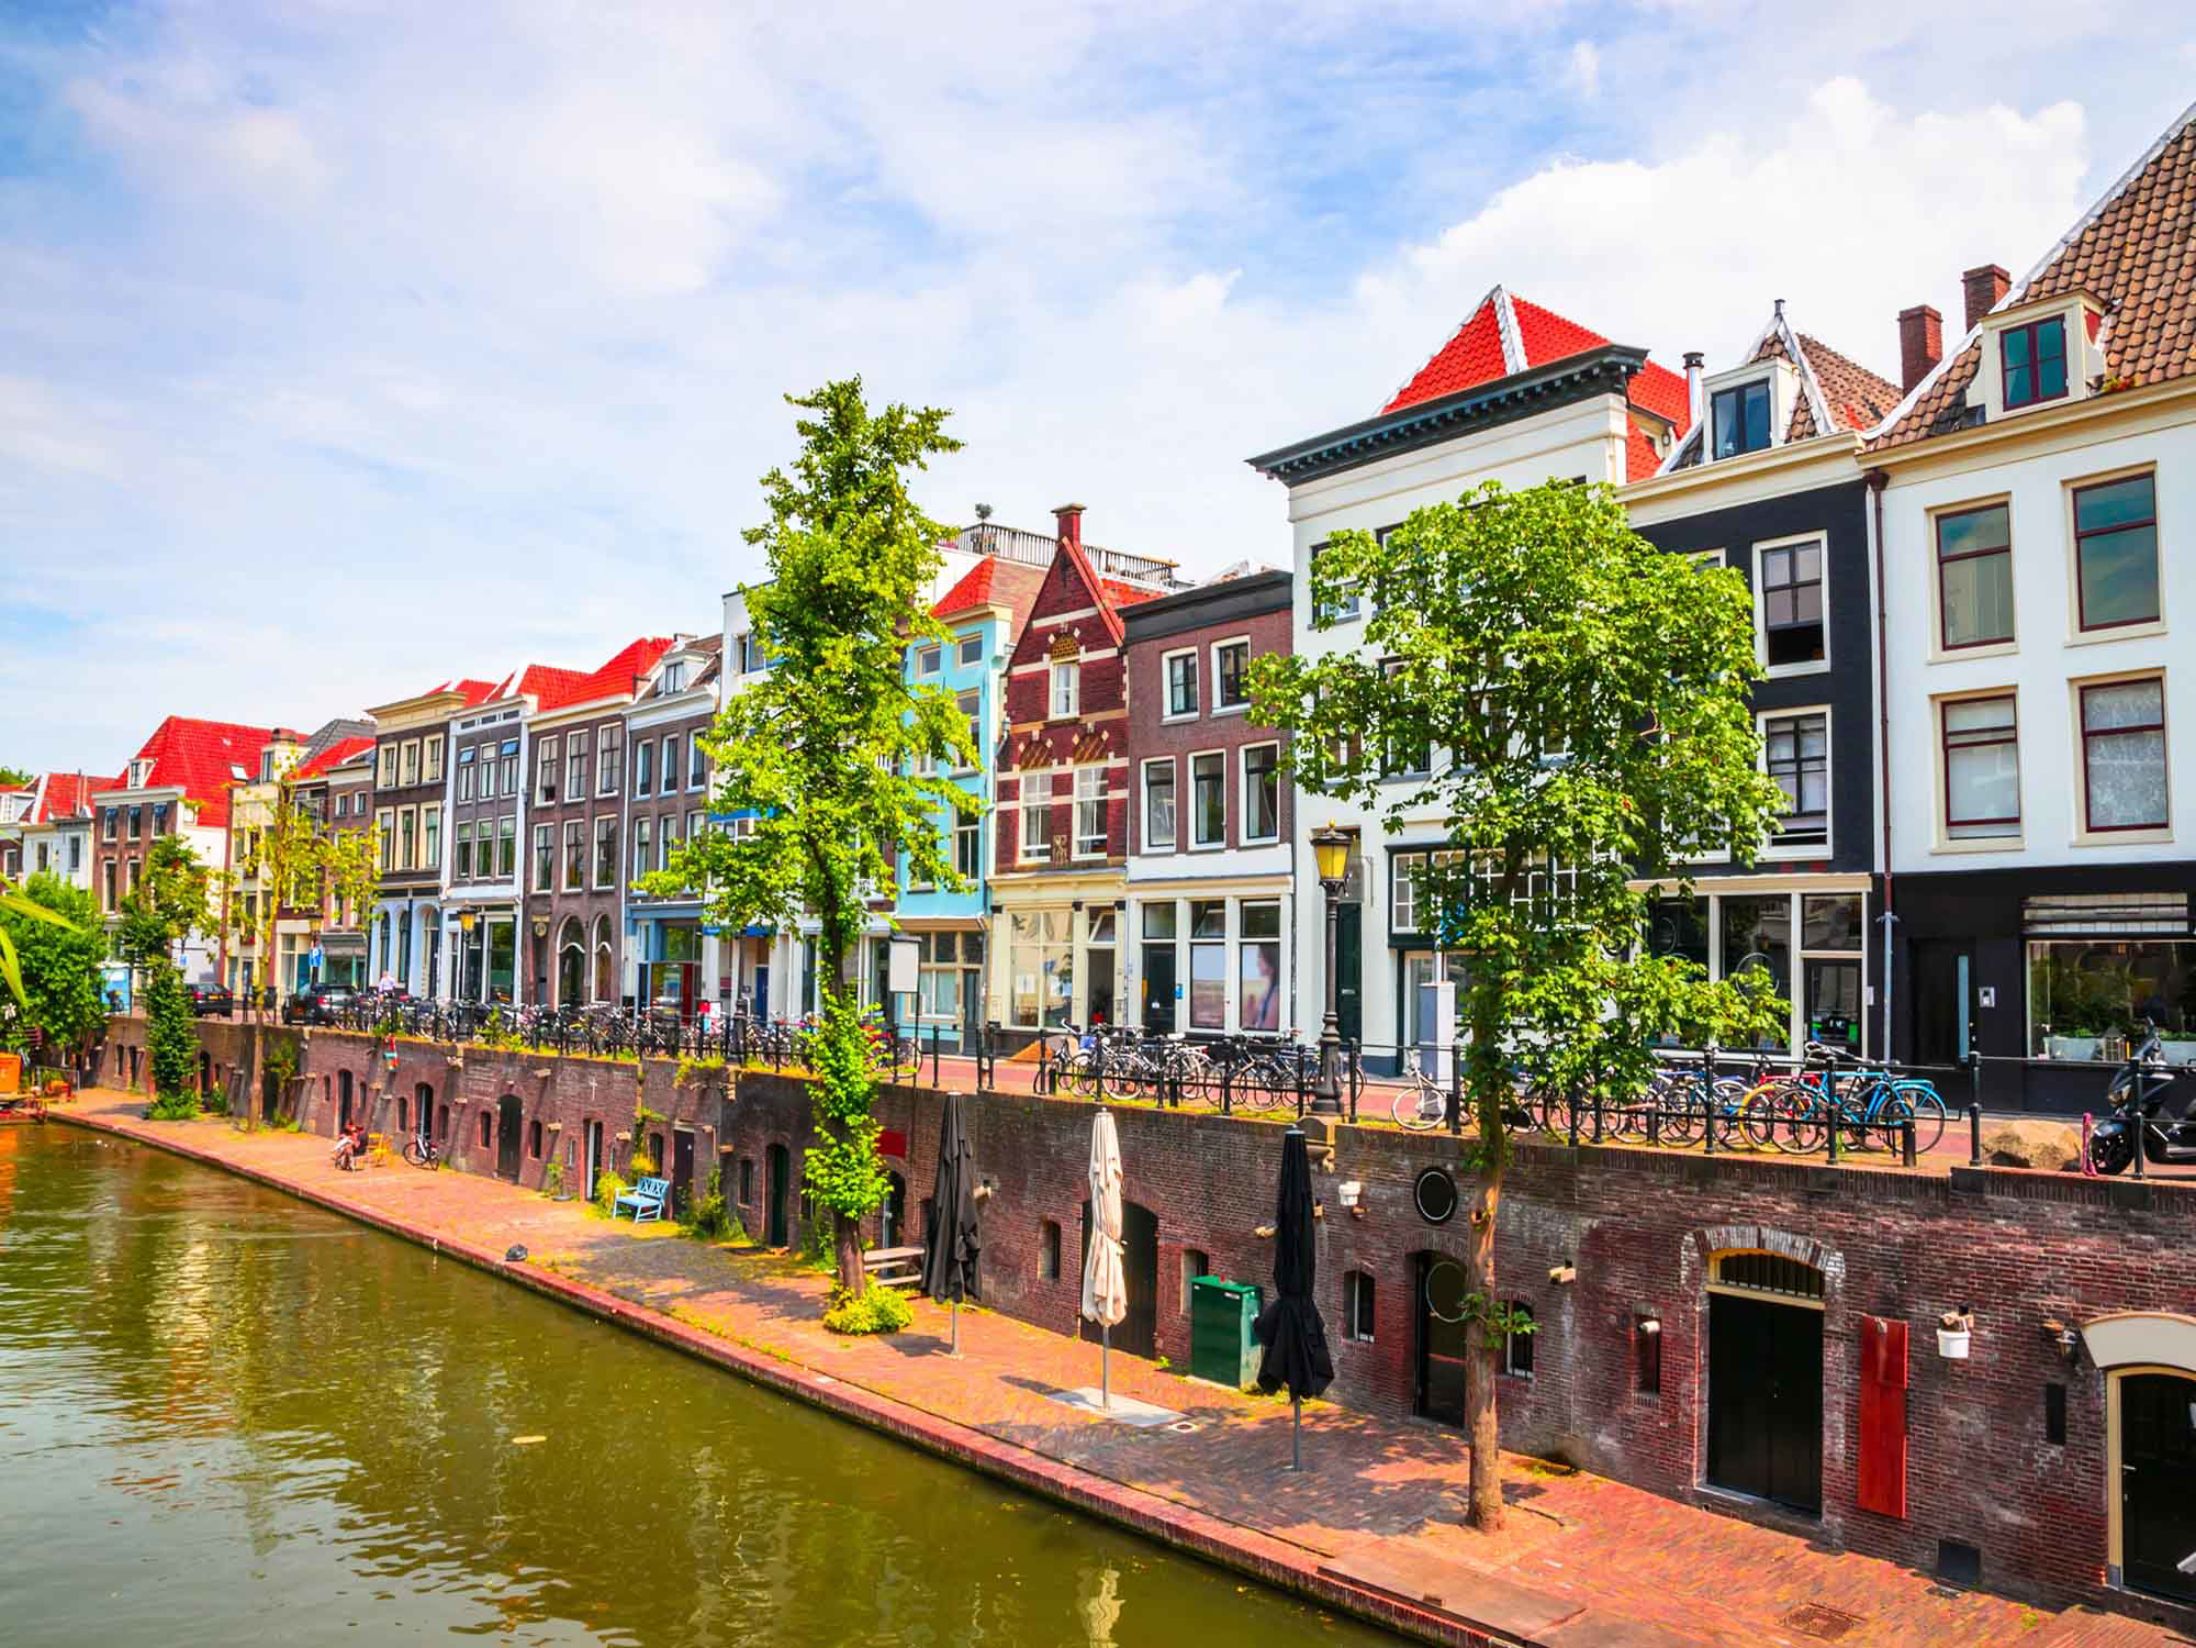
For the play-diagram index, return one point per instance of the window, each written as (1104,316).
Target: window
(385,832)
(606,852)
(545,769)
(1791,604)
(971,649)
(968,847)
(2124,755)
(1975,577)
(575,856)
(2034,359)
(507,765)
(137,822)
(1048,1251)
(1741,415)
(1230,676)
(106,883)
(545,855)
(1181,670)
(533,1138)
(1982,768)
(1647,1355)
(1208,994)
(2087,996)
(385,767)
(1262,792)
(670,767)
(1797,749)
(1041,968)
(667,840)
(408,761)
(2116,552)
(929,660)
(407,829)
(1036,815)
(1258,966)
(642,835)
(747,1180)
(1159,805)
(468,773)
(1066,688)
(609,760)
(575,767)
(1517,1346)
(1090,812)
(971,705)
(1357,1306)
(487,1129)
(2055,1414)
(430,821)
(1208,800)
(506,848)
(433,774)
(697,764)
(1194,1265)
(673,679)
(1345,605)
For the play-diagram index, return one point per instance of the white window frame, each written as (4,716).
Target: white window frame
(1243,790)
(929,661)
(385,768)
(975,725)
(431,760)
(1808,850)
(609,759)
(606,825)
(1216,708)
(642,844)
(1145,840)
(1167,712)
(1817,666)
(969,826)
(670,766)
(548,756)
(1038,851)
(1197,844)
(1103,798)
(1061,706)
(969,651)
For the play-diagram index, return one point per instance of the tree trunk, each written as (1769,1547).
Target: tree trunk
(1481,1350)
(255,1070)
(847,1243)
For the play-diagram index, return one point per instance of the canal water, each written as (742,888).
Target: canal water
(227,1417)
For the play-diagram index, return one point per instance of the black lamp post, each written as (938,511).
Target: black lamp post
(1331,855)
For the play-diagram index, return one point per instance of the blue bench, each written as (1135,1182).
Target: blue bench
(648,1198)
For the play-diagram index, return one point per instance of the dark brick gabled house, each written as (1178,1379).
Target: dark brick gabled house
(1060,841)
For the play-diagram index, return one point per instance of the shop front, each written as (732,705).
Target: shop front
(671,977)
(483,960)
(950,998)
(1059,964)
(1810,934)
(1210,960)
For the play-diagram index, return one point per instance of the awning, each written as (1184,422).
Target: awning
(2105,915)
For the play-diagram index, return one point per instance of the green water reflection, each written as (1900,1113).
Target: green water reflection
(229,1418)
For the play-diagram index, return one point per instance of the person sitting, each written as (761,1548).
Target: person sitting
(349,1143)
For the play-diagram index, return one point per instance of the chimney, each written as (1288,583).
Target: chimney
(1984,287)
(1921,344)
(1694,361)
(1068,519)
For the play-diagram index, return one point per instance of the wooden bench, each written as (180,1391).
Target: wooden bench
(647,1199)
(894,1266)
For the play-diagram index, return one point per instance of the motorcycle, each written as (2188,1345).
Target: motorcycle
(2137,1101)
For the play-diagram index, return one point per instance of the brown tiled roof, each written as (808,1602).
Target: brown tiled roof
(2136,250)
(1854,398)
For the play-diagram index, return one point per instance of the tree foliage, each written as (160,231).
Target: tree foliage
(16,778)
(173,899)
(835,757)
(58,964)
(17,904)
(1570,705)
(171,1041)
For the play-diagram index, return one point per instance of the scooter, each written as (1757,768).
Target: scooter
(2137,1098)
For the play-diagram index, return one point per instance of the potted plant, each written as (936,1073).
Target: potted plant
(1956,1333)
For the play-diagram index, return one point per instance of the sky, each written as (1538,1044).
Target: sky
(350,345)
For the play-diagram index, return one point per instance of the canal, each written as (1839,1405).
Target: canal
(227,1417)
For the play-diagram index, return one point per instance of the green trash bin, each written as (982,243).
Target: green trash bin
(1222,1346)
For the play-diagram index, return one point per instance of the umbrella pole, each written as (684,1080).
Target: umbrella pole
(954,1349)
(1296,1434)
(1105,1371)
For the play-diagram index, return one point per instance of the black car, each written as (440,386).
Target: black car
(319,1004)
(217,999)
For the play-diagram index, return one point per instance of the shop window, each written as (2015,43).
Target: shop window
(1041,968)
(1757,933)
(1982,768)
(2116,552)
(2087,997)
(1258,966)
(1517,1347)
(1358,1294)
(2124,755)
(1791,605)
(1048,1251)
(1209,964)
(1194,1265)
(1975,577)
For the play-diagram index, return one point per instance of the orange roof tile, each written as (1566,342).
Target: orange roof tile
(342,750)
(202,759)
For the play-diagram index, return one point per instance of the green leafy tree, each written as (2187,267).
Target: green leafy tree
(15,902)
(16,778)
(1574,703)
(57,964)
(171,901)
(171,1040)
(833,752)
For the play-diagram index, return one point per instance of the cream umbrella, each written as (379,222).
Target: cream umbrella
(1105,1292)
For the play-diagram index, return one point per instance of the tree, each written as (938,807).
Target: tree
(833,754)
(58,975)
(171,902)
(1574,703)
(171,1041)
(16,778)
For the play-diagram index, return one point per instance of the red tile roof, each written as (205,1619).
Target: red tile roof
(2136,251)
(202,759)
(68,795)
(342,750)
(1506,335)
(1127,595)
(556,689)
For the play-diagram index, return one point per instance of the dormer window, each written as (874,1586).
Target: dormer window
(674,677)
(140,771)
(2034,360)
(1741,418)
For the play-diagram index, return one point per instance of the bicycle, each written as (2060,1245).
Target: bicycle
(1421,1106)
(420,1152)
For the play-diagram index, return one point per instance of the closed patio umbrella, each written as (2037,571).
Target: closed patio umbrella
(1290,1329)
(1105,1291)
(953,1241)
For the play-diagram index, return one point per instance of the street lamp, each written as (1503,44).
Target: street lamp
(1331,855)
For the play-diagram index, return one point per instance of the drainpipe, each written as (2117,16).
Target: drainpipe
(1876,480)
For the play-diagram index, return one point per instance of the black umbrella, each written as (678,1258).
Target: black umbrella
(953,1241)
(1290,1329)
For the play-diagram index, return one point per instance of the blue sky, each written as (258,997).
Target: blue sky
(350,345)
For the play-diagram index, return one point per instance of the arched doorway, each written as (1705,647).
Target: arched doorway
(510,1116)
(571,963)
(777,1164)
(2148,1359)
(423,1115)
(606,963)
(1138,1331)
(1440,1331)
(343,1099)
(1765,1377)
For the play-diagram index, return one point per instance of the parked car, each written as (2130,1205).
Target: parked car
(318,1004)
(217,999)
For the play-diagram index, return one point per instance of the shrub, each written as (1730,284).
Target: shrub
(172,1040)
(608,1188)
(709,1217)
(873,1310)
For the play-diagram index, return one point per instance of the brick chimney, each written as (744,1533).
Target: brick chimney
(1068,519)
(1921,344)
(1984,287)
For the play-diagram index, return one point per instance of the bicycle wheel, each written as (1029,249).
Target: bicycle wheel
(1929,1115)
(1797,1121)
(1683,1103)
(1891,1110)
(413,1154)
(1419,1107)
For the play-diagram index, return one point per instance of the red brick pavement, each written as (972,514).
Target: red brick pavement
(1374,1525)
